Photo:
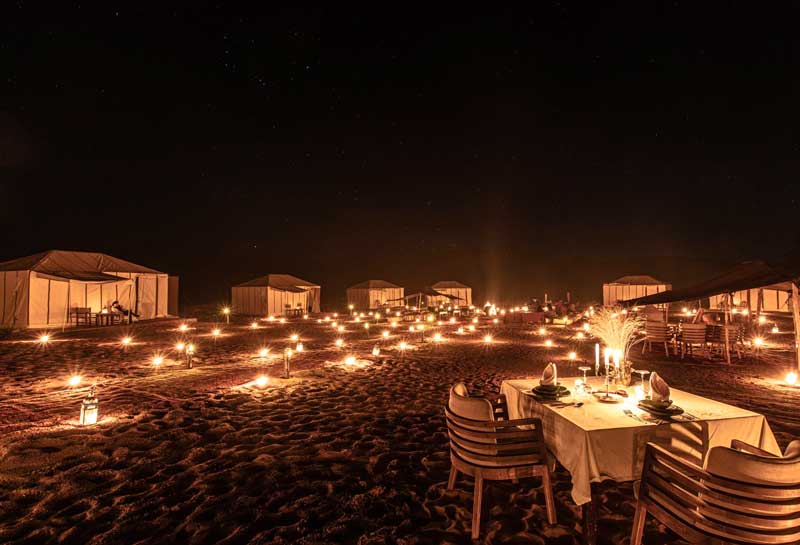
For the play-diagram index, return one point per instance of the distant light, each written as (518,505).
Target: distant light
(183,327)
(758,341)
(340,328)
(762,319)
(254,325)
(126,341)
(437,337)
(74,380)
(282,320)
(580,335)
(334,324)
(460,331)
(474,320)
(775,329)
(745,312)
(548,343)
(299,347)
(542,331)
(385,334)
(339,343)
(294,337)
(572,355)
(44,339)
(226,310)
(472,327)
(305,316)
(586,326)
(366,325)
(376,351)
(190,349)
(791,378)
(264,352)
(158,360)
(262,381)
(487,339)
(216,332)
(180,346)
(452,320)
(350,360)
(495,321)
(403,345)
(411,328)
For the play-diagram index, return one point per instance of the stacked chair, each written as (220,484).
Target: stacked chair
(656,332)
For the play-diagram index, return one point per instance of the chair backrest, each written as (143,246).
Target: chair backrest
(693,333)
(655,331)
(724,502)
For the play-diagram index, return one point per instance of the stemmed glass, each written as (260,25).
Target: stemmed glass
(642,373)
(584,368)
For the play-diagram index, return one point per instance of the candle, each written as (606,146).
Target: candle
(596,358)
(616,358)
(606,355)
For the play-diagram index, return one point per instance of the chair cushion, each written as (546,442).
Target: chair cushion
(792,450)
(461,389)
(474,408)
(750,468)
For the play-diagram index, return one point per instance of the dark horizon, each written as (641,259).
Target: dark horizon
(519,151)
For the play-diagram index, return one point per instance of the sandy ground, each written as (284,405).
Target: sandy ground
(338,454)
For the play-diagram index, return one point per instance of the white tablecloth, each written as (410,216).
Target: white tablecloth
(598,441)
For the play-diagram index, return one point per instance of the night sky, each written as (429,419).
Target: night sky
(518,151)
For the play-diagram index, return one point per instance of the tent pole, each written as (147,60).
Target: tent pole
(727,337)
(796,320)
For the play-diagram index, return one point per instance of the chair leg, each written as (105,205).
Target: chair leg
(639,519)
(451,482)
(548,497)
(476,506)
(666,349)
(644,345)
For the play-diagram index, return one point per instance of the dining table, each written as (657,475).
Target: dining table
(596,440)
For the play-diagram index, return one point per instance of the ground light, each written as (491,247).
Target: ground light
(90,408)
(74,380)
(262,381)
(791,378)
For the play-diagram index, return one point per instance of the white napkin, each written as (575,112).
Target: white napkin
(549,375)
(659,389)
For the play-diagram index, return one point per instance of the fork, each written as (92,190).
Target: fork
(635,416)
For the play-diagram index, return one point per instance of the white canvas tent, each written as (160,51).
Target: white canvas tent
(632,287)
(42,289)
(372,294)
(773,298)
(270,294)
(456,289)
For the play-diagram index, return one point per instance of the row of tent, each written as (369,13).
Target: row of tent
(48,289)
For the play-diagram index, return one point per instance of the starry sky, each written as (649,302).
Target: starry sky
(519,150)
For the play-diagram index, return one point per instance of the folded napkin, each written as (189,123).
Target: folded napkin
(659,389)
(549,375)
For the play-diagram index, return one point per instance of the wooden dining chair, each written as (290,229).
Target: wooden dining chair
(486,448)
(655,332)
(743,495)
(692,334)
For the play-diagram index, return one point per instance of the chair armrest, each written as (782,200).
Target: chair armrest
(747,447)
(517,422)
(675,460)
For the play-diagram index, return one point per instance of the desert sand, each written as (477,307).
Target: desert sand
(339,453)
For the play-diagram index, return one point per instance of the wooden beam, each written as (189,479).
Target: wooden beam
(796,320)
(727,300)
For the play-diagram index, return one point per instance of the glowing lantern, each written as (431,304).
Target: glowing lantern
(299,347)
(437,337)
(334,325)
(263,353)
(460,331)
(385,334)
(745,312)
(262,381)
(487,339)
(44,339)
(472,328)
(340,328)
(366,326)
(180,346)
(158,360)
(411,328)
(74,380)
(327,318)
(183,327)
(430,317)
(775,329)
(762,319)
(254,325)
(376,351)
(282,320)
(335,314)
(189,354)
(452,320)
(271,318)
(495,321)
(294,337)
(791,378)
(586,326)
(758,341)
(357,319)
(580,335)
(542,331)
(402,345)
(350,360)
(125,341)
(572,355)
(339,343)
(305,316)
(216,332)
(89,409)
(548,343)
(393,324)
(287,356)
(474,320)
(227,312)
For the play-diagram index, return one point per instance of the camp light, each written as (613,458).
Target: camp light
(89,409)
(376,351)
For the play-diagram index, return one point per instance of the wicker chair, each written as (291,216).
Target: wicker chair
(655,332)
(494,450)
(743,496)
(692,334)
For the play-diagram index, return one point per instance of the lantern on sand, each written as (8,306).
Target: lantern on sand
(89,409)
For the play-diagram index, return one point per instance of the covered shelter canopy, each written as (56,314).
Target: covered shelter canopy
(372,294)
(630,286)
(425,293)
(784,272)
(455,288)
(49,288)
(271,294)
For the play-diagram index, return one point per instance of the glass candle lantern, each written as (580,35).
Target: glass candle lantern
(89,409)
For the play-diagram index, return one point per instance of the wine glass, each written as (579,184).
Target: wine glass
(642,373)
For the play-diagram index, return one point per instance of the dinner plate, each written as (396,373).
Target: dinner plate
(611,397)
(672,410)
(549,392)
(656,405)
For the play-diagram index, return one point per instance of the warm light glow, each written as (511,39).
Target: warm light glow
(437,337)
(350,360)
(758,341)
(190,349)
(460,331)
(542,331)
(430,317)
(421,327)
(376,351)
(762,319)
(385,334)
(791,378)
(263,353)
(299,347)
(572,355)
(339,343)
(126,341)
(580,335)
(366,325)
(294,337)
(548,343)
(282,320)
(350,307)
(775,329)
(44,339)
(403,345)
(262,381)
(357,319)
(452,320)
(305,316)
(411,328)
(271,318)
(586,326)
(340,329)
(334,324)
(335,314)
(74,380)
(327,318)
(745,312)
(158,360)
(393,324)
(183,327)
(474,320)
(180,346)
(487,339)
(472,327)
(226,310)
(216,332)
(254,325)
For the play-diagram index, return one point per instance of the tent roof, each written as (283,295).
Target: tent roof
(285,282)
(449,284)
(426,292)
(373,284)
(62,263)
(747,275)
(638,279)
